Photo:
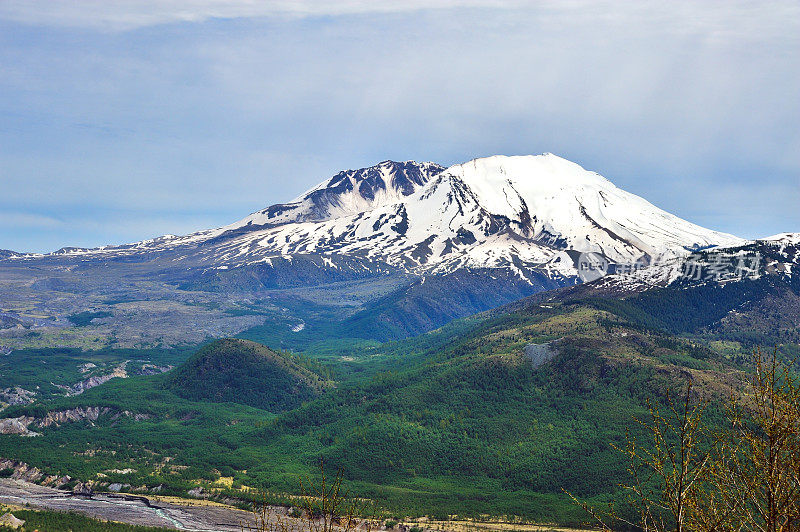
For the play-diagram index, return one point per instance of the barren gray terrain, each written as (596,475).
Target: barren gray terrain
(126,509)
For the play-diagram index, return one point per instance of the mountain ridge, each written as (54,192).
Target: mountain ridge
(422,217)
(441,243)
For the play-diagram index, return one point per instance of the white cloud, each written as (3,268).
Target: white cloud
(717,20)
(23,220)
(129,14)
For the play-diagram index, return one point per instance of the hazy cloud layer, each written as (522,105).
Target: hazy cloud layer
(164,117)
(129,14)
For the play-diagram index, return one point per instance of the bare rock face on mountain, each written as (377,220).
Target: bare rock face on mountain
(349,193)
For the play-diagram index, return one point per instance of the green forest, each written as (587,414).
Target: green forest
(457,421)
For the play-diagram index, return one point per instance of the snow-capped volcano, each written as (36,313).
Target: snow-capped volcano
(534,215)
(396,248)
(525,213)
(535,210)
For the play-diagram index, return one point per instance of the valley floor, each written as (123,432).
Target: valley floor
(200,517)
(197,516)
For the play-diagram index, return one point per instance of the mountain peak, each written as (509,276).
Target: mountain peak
(529,214)
(348,193)
(531,174)
(538,184)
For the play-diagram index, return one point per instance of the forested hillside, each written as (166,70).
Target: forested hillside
(462,420)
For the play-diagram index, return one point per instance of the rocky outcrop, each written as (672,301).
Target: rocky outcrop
(86,368)
(199,492)
(21,425)
(153,369)
(96,380)
(17,425)
(16,396)
(133,415)
(120,371)
(22,471)
(91,413)
(83,488)
(540,354)
(9,520)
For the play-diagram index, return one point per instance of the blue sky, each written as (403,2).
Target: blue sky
(124,120)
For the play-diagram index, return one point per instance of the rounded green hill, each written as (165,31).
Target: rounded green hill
(244,372)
